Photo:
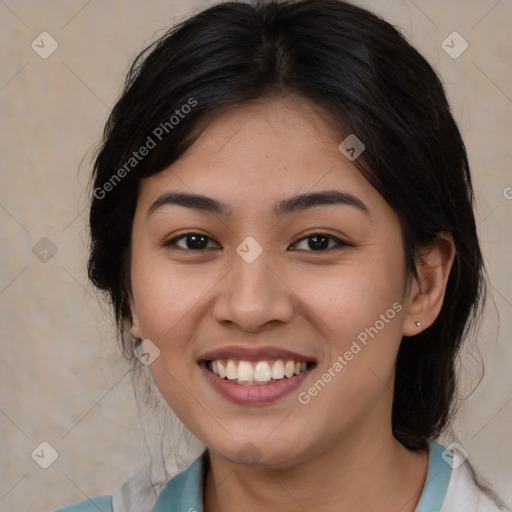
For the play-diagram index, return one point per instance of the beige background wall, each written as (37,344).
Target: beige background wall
(61,374)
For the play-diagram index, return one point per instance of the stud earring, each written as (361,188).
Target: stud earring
(418,324)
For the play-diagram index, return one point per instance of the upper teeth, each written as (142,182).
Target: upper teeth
(261,371)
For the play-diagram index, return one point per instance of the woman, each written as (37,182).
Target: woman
(282,218)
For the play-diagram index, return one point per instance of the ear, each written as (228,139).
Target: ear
(425,297)
(135,318)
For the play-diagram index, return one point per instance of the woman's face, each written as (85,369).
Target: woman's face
(254,284)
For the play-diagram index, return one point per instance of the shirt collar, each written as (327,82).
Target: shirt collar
(438,477)
(184,492)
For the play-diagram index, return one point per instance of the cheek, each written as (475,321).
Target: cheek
(166,294)
(169,299)
(357,307)
(348,299)
(361,322)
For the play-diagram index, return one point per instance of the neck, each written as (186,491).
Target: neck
(363,473)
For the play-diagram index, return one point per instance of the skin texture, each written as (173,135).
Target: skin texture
(314,302)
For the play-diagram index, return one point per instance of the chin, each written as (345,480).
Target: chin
(259,452)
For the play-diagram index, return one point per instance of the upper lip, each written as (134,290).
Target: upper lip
(254,354)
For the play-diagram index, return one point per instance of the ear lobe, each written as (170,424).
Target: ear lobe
(135,319)
(426,295)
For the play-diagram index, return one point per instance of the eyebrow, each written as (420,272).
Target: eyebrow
(292,204)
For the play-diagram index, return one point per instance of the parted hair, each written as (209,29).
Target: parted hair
(373,83)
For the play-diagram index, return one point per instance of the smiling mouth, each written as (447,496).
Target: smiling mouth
(261,373)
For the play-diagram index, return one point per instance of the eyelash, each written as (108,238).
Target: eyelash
(171,244)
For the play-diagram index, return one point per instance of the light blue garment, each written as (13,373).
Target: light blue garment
(97,504)
(438,477)
(184,492)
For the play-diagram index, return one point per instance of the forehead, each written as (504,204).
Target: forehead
(260,152)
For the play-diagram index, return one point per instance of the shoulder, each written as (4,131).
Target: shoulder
(136,494)
(140,494)
(465,494)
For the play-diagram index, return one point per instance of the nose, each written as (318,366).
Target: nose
(254,295)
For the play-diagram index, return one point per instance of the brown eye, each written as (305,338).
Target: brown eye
(192,242)
(319,242)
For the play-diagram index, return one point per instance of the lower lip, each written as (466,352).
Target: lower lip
(256,394)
